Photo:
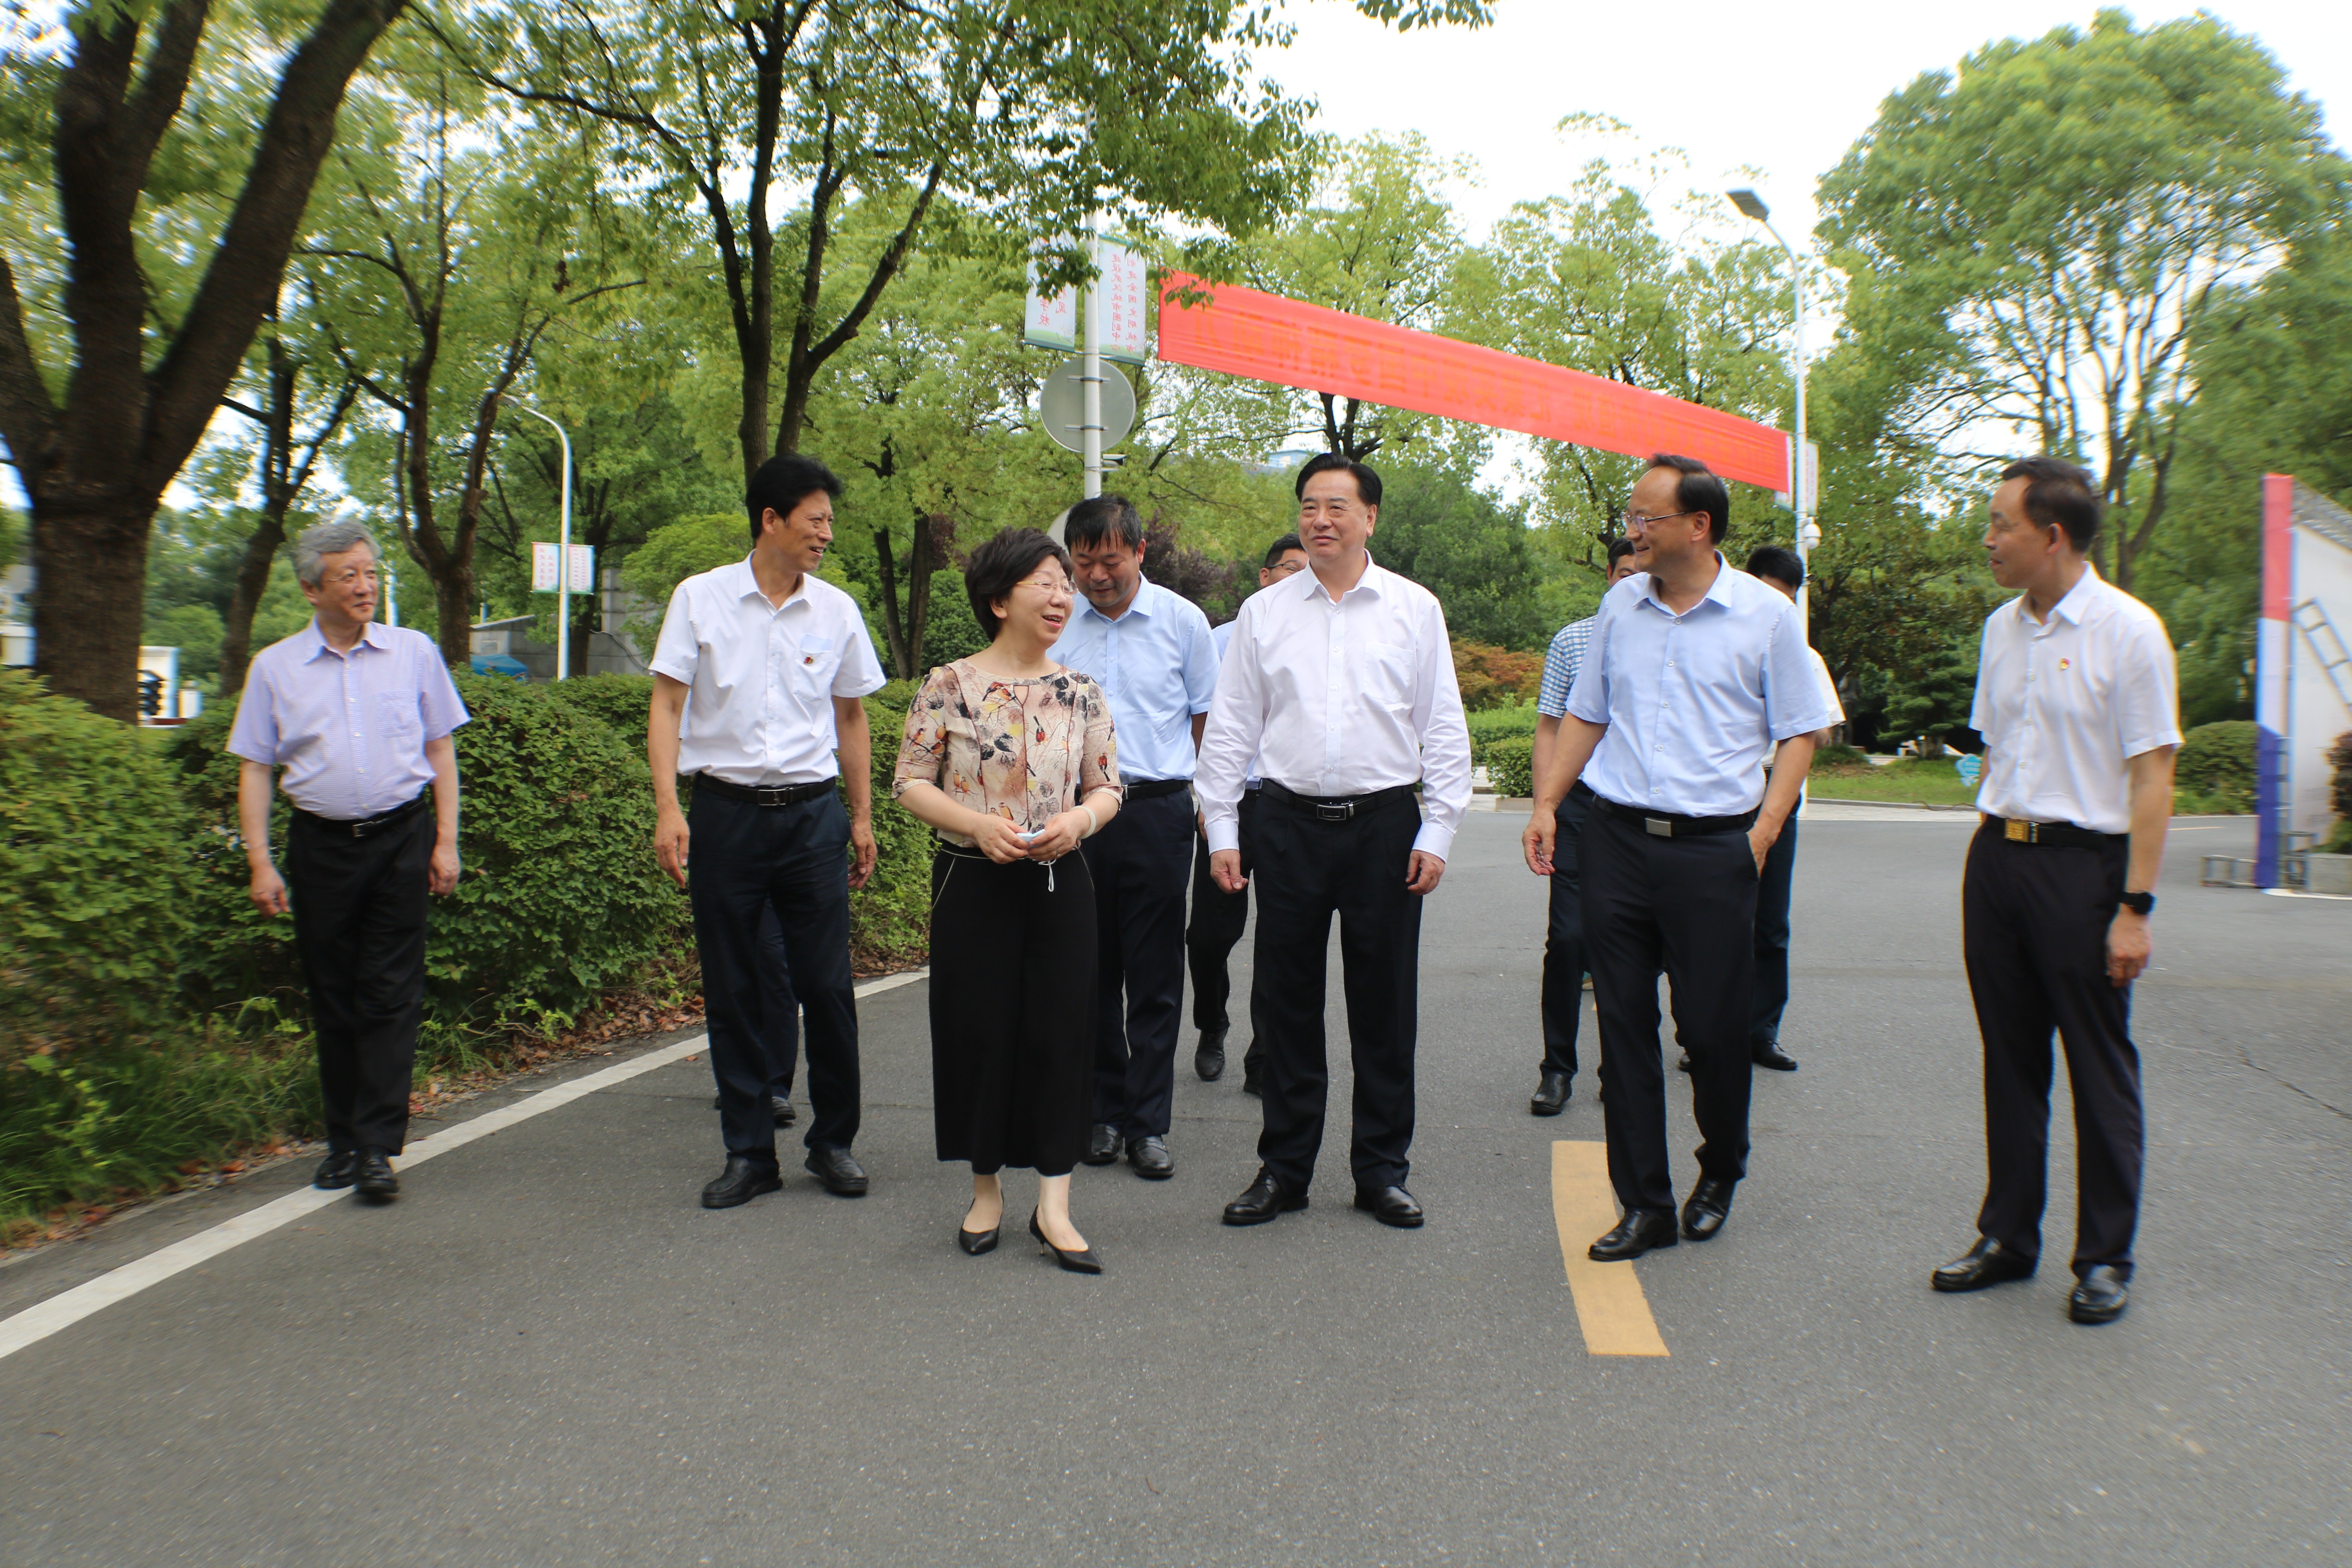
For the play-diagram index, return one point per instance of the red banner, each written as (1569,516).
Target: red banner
(1243,333)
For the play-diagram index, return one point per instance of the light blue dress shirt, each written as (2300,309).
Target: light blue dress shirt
(1158,663)
(349,727)
(1694,701)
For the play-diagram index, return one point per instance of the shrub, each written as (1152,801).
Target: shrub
(1495,677)
(93,856)
(1489,725)
(1510,766)
(1839,755)
(622,701)
(2216,762)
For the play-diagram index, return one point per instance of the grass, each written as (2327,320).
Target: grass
(1930,781)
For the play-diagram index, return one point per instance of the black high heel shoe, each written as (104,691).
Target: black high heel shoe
(1076,1262)
(976,1242)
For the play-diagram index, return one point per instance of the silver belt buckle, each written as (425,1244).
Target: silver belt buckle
(1659,825)
(1339,811)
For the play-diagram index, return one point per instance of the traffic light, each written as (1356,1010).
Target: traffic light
(151,695)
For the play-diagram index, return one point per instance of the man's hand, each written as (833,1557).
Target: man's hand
(861,840)
(1537,842)
(268,890)
(1760,843)
(999,840)
(444,880)
(2129,942)
(1225,870)
(671,836)
(1422,876)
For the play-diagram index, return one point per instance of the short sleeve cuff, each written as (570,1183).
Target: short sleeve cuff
(680,670)
(1819,718)
(1572,711)
(856,688)
(2147,743)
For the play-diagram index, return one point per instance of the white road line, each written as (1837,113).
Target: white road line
(70,1306)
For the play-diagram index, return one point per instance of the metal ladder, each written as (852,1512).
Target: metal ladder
(2311,616)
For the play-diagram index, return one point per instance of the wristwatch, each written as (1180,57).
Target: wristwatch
(2140,904)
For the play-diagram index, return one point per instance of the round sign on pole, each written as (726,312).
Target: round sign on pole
(1061,405)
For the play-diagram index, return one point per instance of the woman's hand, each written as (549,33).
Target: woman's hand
(1059,837)
(998,839)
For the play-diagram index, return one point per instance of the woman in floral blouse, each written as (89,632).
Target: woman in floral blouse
(1010,758)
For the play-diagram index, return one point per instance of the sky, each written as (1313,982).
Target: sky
(1762,94)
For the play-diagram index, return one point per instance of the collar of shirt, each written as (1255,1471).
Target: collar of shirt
(745,585)
(2073,606)
(1141,605)
(1372,583)
(1716,594)
(314,643)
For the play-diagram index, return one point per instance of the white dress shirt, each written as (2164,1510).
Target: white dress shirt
(1338,700)
(351,728)
(1223,638)
(1158,664)
(2064,704)
(762,677)
(1694,701)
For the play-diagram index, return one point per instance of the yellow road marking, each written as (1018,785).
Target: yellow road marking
(1609,1301)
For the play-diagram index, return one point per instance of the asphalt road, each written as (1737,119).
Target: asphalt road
(546,1353)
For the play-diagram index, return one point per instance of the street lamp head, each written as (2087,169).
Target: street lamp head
(1750,203)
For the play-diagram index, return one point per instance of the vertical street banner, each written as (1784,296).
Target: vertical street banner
(1122,294)
(1049,321)
(543,556)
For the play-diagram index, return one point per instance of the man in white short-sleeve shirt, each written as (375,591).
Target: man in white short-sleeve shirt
(758,680)
(2077,703)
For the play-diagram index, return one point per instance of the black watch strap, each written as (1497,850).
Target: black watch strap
(2141,904)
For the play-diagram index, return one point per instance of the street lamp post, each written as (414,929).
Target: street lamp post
(1800,491)
(562,549)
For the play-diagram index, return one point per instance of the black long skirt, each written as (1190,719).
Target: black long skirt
(1013,1011)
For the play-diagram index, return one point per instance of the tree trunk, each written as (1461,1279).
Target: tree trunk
(92,560)
(252,580)
(453,598)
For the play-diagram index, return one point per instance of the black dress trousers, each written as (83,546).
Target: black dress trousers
(1686,908)
(359,930)
(1013,1011)
(2034,921)
(1139,864)
(744,859)
(1772,893)
(1219,917)
(780,1009)
(1308,869)
(1564,963)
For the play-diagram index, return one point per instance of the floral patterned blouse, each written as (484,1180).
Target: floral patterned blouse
(1024,749)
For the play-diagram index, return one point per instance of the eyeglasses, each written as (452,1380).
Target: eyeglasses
(1633,521)
(1047,584)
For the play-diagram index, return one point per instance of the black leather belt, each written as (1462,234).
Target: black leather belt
(2056,835)
(1340,808)
(764,795)
(1153,789)
(365,827)
(1671,824)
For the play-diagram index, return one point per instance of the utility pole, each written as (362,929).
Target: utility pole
(1090,372)
(1801,494)
(562,549)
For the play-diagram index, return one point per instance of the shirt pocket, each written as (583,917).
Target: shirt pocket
(1388,672)
(814,666)
(398,719)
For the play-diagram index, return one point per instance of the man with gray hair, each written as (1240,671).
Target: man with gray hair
(360,715)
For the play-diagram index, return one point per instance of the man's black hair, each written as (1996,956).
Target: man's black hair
(1001,564)
(1282,547)
(1778,563)
(783,482)
(1368,483)
(2060,494)
(1699,490)
(1098,518)
(1618,549)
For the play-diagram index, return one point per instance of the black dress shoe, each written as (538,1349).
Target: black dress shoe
(742,1179)
(781,1106)
(1151,1158)
(1985,1263)
(335,1172)
(1390,1205)
(373,1175)
(1263,1202)
(843,1176)
(1103,1145)
(1683,1065)
(1709,1206)
(1208,1056)
(1770,1054)
(1640,1231)
(1083,1262)
(2100,1296)
(1553,1090)
(977,1241)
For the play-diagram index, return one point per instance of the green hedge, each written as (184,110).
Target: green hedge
(1489,725)
(2216,762)
(1510,766)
